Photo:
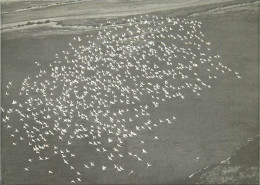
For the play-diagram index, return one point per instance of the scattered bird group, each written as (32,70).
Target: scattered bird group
(102,89)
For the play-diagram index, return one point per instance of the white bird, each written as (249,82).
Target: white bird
(104,168)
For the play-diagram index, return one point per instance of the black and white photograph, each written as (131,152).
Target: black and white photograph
(129,92)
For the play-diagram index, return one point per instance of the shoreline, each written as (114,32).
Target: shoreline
(41,6)
(60,22)
(241,164)
(81,25)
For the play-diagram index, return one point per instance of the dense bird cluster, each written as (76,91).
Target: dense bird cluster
(103,89)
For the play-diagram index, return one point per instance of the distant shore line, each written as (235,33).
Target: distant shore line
(58,22)
(41,6)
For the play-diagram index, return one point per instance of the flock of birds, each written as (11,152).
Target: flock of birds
(102,90)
